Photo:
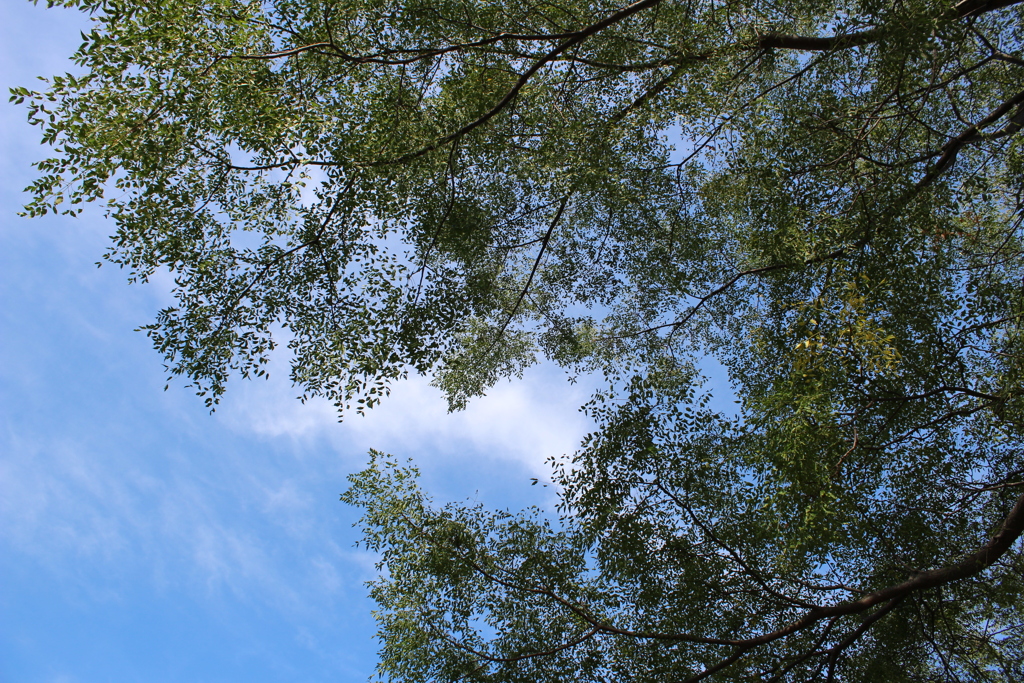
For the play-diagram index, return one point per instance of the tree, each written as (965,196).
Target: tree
(824,197)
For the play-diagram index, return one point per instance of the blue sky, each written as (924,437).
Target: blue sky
(143,539)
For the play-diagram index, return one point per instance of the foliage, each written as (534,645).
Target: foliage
(824,197)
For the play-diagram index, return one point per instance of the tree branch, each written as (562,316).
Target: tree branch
(868,622)
(783,41)
(1009,531)
(940,390)
(529,280)
(575,39)
(973,134)
(518,658)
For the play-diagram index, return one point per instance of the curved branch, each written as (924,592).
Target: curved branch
(941,390)
(700,302)
(573,41)
(984,557)
(753,573)
(518,658)
(868,622)
(529,280)
(973,134)
(417,54)
(784,41)
(711,670)
(974,8)
(1009,532)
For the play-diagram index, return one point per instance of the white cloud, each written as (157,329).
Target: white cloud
(524,422)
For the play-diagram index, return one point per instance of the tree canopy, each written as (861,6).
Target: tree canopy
(823,197)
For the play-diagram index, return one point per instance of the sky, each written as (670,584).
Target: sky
(144,539)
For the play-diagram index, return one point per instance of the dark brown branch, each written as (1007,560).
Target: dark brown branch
(573,41)
(279,54)
(974,8)
(807,654)
(647,95)
(238,298)
(939,390)
(283,164)
(1009,532)
(851,449)
(529,280)
(834,254)
(753,573)
(518,658)
(868,622)
(383,58)
(449,177)
(973,134)
(700,302)
(711,670)
(965,411)
(508,247)
(967,8)
(782,41)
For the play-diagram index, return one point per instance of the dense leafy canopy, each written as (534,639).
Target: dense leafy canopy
(824,197)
